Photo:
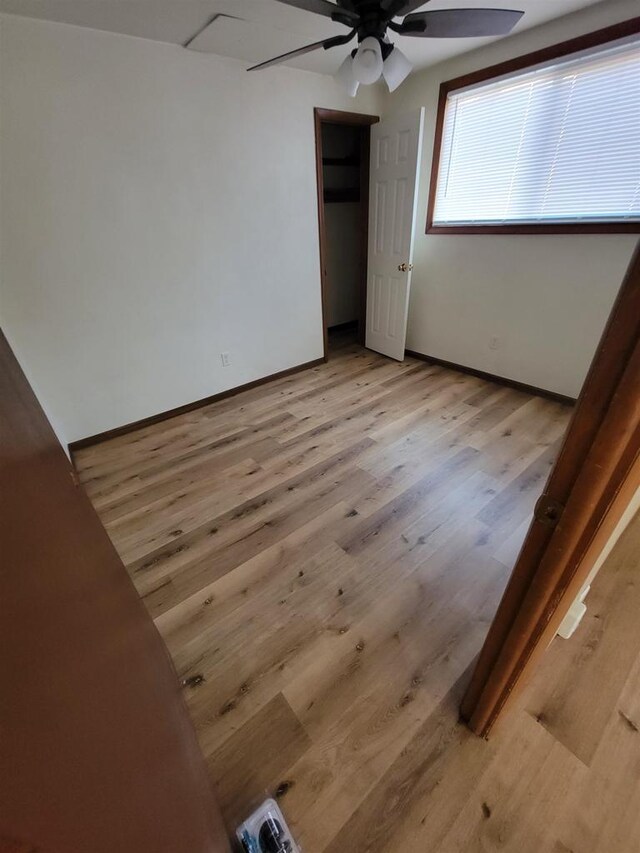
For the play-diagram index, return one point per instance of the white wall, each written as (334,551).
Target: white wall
(158,207)
(546,298)
(6,331)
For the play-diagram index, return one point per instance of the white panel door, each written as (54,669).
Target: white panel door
(396,145)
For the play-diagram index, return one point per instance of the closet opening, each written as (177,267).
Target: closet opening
(342,168)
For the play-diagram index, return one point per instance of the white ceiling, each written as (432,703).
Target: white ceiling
(256,30)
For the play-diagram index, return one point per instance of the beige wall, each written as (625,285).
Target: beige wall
(545,298)
(158,208)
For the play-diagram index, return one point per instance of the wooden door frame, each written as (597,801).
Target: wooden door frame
(590,485)
(363,122)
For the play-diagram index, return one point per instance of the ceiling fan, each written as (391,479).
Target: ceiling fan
(370,21)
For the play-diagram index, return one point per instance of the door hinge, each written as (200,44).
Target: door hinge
(548,510)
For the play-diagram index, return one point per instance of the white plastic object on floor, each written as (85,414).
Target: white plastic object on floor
(248,833)
(574,615)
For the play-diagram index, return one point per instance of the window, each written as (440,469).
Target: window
(555,147)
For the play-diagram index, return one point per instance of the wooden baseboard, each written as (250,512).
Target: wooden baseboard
(490,377)
(188,407)
(214,398)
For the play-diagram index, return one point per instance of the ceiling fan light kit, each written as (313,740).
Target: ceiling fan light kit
(372,60)
(345,76)
(369,20)
(367,63)
(396,68)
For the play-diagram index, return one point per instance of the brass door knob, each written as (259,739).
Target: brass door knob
(405,267)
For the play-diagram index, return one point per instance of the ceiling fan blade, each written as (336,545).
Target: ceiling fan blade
(393,8)
(325,43)
(461,23)
(324,7)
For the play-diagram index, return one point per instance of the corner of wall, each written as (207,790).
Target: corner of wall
(55,426)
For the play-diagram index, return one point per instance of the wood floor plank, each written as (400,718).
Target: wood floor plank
(247,764)
(287,629)
(323,555)
(606,648)
(604,812)
(515,810)
(194,616)
(417,800)
(417,665)
(246,444)
(147,534)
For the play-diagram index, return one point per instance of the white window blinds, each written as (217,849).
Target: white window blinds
(560,144)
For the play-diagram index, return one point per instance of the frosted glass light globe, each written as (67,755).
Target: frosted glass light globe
(367,63)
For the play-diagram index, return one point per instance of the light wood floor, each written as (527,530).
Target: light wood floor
(323,556)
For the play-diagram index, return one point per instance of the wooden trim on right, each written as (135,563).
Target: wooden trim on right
(322,228)
(598,462)
(521,63)
(543,228)
(492,377)
(365,170)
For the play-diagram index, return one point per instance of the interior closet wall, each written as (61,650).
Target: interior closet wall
(341,173)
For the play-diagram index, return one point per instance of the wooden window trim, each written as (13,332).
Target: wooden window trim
(521,63)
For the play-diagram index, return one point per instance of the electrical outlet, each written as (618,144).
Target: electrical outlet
(225,358)
(494,342)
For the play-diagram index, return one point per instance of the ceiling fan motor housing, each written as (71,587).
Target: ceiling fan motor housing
(373,20)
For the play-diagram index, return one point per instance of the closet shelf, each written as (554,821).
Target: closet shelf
(350,194)
(341,161)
